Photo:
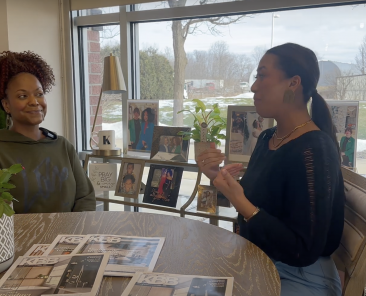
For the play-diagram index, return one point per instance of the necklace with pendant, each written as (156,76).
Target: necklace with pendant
(289,134)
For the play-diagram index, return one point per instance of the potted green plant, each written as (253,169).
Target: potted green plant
(211,121)
(6,216)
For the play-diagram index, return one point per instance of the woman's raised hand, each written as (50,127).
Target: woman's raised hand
(209,162)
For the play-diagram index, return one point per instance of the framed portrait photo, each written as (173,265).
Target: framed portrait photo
(143,116)
(167,145)
(345,118)
(244,125)
(162,187)
(129,179)
(207,199)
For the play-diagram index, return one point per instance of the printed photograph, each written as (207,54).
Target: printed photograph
(37,250)
(64,244)
(345,118)
(77,274)
(162,284)
(207,199)
(129,179)
(168,145)
(163,185)
(244,127)
(143,116)
(127,254)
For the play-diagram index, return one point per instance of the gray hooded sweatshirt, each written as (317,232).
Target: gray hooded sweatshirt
(53,179)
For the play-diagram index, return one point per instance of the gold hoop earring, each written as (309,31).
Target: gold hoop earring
(8,121)
(288,96)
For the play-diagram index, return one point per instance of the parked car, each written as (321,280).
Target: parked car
(244,86)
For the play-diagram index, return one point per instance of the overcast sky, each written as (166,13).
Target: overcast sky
(335,33)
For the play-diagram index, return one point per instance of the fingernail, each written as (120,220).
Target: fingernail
(224,172)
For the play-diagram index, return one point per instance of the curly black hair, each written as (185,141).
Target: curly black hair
(13,63)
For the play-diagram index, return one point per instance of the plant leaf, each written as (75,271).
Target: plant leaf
(4,176)
(217,110)
(15,168)
(196,138)
(7,196)
(7,185)
(200,104)
(8,211)
(215,130)
(217,142)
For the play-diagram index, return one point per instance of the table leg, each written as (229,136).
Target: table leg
(106,206)
(214,221)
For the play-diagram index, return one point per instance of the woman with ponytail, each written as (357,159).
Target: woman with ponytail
(291,198)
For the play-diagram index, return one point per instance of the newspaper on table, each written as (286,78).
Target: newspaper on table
(177,284)
(79,275)
(128,254)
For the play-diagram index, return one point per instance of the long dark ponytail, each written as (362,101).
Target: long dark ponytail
(322,117)
(294,59)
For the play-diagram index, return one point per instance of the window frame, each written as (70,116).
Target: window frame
(128,18)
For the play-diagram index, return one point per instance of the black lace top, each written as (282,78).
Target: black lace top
(299,189)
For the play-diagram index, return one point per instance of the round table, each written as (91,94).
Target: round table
(191,247)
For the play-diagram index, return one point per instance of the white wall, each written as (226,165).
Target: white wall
(35,25)
(4,42)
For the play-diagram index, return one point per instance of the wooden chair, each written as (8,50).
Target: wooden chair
(350,257)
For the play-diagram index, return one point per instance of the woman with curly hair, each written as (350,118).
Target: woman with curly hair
(53,179)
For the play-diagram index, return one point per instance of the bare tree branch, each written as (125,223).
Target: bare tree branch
(361,57)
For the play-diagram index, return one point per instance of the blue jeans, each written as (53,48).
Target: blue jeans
(318,279)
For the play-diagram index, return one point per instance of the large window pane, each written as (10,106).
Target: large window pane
(99,42)
(214,59)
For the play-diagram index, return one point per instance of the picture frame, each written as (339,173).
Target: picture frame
(244,125)
(345,118)
(129,182)
(139,136)
(167,145)
(207,199)
(103,176)
(162,186)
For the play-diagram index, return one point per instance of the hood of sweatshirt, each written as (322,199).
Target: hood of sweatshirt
(14,137)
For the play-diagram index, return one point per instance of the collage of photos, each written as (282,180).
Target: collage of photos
(163,185)
(244,127)
(129,179)
(207,199)
(143,116)
(345,118)
(168,146)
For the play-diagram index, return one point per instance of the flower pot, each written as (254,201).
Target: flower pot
(200,147)
(6,242)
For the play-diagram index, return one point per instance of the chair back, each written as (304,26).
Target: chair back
(350,257)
